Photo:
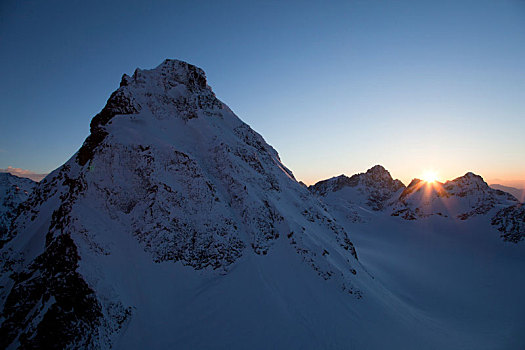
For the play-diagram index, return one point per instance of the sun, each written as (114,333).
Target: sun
(430,176)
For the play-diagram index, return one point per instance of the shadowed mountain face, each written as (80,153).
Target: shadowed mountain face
(14,190)
(171,174)
(510,222)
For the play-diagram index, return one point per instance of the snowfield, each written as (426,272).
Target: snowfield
(460,275)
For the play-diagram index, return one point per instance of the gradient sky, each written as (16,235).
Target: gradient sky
(334,86)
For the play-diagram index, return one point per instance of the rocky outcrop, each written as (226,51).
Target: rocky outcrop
(510,222)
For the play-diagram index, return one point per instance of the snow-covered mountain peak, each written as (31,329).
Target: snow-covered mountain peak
(174,89)
(355,195)
(379,173)
(170,73)
(169,179)
(467,184)
(164,132)
(377,178)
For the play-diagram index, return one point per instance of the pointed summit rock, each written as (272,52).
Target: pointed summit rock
(352,198)
(375,188)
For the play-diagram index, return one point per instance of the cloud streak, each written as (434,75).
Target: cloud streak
(23,173)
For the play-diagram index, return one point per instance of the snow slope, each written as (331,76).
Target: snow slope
(460,274)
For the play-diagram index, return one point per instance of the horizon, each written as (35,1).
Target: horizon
(331,92)
(516,184)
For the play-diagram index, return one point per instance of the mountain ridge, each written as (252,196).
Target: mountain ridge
(168,168)
(463,197)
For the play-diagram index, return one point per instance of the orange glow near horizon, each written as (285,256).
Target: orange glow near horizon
(429,176)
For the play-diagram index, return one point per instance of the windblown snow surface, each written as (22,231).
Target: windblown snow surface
(177,226)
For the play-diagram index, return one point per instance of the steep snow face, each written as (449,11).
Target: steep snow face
(168,174)
(356,195)
(13,191)
(460,198)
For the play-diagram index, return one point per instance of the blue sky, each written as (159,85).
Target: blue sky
(335,87)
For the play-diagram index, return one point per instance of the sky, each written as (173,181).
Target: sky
(335,86)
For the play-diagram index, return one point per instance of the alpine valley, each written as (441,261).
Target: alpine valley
(176,225)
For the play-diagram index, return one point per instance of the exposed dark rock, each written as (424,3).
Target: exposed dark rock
(511,223)
(118,103)
(50,305)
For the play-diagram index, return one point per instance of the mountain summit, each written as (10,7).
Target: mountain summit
(169,182)
(374,188)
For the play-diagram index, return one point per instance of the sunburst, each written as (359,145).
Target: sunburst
(430,176)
